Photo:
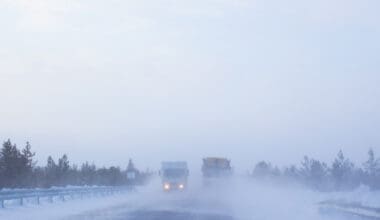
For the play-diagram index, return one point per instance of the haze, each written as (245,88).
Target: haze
(105,81)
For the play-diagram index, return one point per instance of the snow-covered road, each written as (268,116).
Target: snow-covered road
(239,200)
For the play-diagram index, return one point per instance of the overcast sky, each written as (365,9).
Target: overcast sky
(154,80)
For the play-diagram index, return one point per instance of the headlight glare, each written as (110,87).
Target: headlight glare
(166,186)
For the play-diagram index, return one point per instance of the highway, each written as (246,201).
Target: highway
(232,201)
(235,200)
(164,206)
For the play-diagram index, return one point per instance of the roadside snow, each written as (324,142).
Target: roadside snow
(362,195)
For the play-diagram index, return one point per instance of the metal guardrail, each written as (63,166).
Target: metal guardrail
(60,193)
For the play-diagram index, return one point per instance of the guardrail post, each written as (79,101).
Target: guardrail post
(38,200)
(2,203)
(63,198)
(21,201)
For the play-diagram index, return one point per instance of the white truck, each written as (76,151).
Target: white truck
(174,175)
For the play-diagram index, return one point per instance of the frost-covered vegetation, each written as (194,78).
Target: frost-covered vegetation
(18,170)
(342,174)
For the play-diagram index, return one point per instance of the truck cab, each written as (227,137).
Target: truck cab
(174,175)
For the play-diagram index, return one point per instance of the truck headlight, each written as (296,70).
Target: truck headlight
(166,186)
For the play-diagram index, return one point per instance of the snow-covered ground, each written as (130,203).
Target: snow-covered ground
(362,195)
(241,199)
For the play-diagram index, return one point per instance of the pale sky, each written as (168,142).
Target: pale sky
(156,80)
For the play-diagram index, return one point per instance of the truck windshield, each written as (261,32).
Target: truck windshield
(174,173)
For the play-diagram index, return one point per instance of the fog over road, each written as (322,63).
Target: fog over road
(237,199)
(232,201)
(167,206)
(155,204)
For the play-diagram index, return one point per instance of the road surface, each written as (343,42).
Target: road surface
(229,202)
(164,206)
(239,200)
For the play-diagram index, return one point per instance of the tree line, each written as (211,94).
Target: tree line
(341,174)
(18,169)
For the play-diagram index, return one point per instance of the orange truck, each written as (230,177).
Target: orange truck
(216,167)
